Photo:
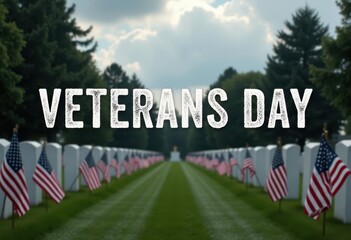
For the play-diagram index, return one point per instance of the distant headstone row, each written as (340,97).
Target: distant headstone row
(298,167)
(66,161)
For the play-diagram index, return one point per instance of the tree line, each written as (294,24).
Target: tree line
(41,46)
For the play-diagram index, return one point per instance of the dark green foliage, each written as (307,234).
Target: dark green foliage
(298,47)
(334,78)
(115,77)
(56,55)
(11,95)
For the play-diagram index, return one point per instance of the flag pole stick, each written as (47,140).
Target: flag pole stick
(280,205)
(74,181)
(280,144)
(46,203)
(3,207)
(326,135)
(13,217)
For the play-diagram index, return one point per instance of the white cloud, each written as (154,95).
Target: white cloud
(132,68)
(184,43)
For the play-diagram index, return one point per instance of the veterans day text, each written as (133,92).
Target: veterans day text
(143,103)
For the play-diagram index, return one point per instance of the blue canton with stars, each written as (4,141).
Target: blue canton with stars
(325,156)
(230,155)
(89,159)
(126,159)
(278,158)
(248,155)
(221,158)
(104,158)
(13,155)
(43,161)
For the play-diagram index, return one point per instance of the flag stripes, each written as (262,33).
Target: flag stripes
(89,172)
(48,183)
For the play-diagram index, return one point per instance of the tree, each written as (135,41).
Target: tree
(115,77)
(234,134)
(334,78)
(298,47)
(57,55)
(11,95)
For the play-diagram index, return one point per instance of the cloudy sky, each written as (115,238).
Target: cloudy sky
(188,43)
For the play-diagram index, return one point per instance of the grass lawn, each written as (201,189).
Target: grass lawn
(37,222)
(175,214)
(291,218)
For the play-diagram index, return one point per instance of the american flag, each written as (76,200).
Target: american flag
(232,162)
(276,183)
(12,180)
(114,164)
(126,165)
(222,166)
(329,174)
(45,177)
(247,165)
(88,170)
(103,166)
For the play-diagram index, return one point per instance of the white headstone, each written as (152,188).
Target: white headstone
(291,156)
(259,156)
(71,167)
(97,154)
(175,156)
(54,154)
(4,146)
(242,155)
(30,152)
(342,207)
(269,158)
(302,162)
(309,155)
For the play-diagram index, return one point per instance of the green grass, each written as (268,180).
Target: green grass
(175,214)
(36,222)
(292,218)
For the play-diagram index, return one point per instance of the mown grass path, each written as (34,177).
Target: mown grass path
(173,201)
(226,216)
(121,216)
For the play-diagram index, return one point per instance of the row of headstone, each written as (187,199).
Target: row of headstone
(296,165)
(65,162)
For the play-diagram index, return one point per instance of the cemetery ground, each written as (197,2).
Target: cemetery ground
(171,201)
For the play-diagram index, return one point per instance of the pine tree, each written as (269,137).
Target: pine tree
(11,95)
(57,55)
(296,49)
(334,78)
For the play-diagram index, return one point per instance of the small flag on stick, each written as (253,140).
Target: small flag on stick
(12,180)
(46,179)
(329,174)
(88,170)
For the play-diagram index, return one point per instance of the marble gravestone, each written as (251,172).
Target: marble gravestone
(4,146)
(30,152)
(83,153)
(71,167)
(342,207)
(291,156)
(310,155)
(175,155)
(54,154)
(259,156)
(97,154)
